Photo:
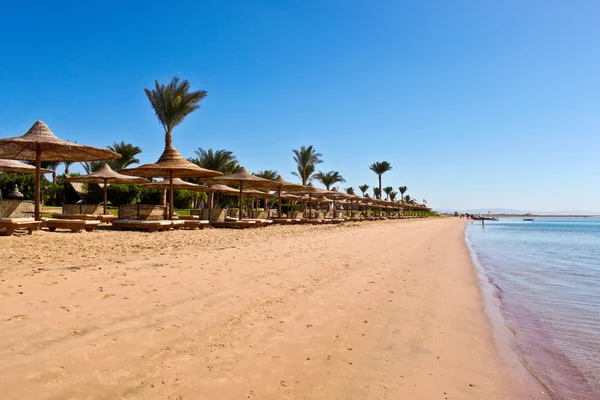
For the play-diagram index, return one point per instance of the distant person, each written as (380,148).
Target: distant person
(482,222)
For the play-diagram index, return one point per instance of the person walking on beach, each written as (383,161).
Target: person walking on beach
(483,222)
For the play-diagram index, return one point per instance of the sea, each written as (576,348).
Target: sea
(546,274)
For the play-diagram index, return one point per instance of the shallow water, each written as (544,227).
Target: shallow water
(548,277)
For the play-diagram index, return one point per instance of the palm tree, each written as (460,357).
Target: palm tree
(128,154)
(218,160)
(92,166)
(172,103)
(387,190)
(393,196)
(349,190)
(402,190)
(409,200)
(377,193)
(306,158)
(363,189)
(267,174)
(329,178)
(380,168)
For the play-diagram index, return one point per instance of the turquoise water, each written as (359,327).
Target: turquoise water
(547,275)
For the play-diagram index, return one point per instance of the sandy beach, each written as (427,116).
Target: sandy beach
(381,310)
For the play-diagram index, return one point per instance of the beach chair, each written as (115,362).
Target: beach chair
(10,225)
(106,218)
(234,224)
(74,225)
(192,224)
(143,225)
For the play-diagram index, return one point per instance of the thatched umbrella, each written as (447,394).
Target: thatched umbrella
(178,184)
(310,189)
(171,164)
(243,178)
(252,193)
(337,195)
(351,198)
(217,189)
(19,168)
(40,144)
(282,184)
(104,176)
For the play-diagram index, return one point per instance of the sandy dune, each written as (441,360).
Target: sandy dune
(381,310)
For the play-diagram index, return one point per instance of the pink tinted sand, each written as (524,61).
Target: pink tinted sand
(388,309)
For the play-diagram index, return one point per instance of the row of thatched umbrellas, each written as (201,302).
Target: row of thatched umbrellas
(40,144)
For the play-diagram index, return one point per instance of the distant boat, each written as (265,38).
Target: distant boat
(529,219)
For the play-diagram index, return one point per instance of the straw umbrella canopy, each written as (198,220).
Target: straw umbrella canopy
(217,189)
(171,164)
(309,190)
(337,195)
(282,184)
(40,144)
(351,198)
(20,167)
(104,176)
(178,184)
(243,178)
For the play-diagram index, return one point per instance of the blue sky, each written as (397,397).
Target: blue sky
(474,103)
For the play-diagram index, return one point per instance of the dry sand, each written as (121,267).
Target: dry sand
(379,310)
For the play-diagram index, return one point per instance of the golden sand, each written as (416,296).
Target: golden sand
(378,310)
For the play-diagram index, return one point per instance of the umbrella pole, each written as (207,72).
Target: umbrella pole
(241,200)
(279,202)
(171,194)
(309,206)
(105,195)
(38,179)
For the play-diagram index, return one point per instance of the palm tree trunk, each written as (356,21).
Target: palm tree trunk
(168,138)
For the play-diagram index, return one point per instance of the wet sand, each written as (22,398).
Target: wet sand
(378,310)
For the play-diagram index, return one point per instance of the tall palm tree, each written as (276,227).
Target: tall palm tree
(218,160)
(363,189)
(329,178)
(380,168)
(128,154)
(402,190)
(349,190)
(306,158)
(172,103)
(92,166)
(267,174)
(387,190)
(393,196)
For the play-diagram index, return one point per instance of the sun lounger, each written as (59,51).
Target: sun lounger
(143,225)
(194,224)
(285,221)
(188,217)
(74,225)
(12,224)
(234,224)
(88,217)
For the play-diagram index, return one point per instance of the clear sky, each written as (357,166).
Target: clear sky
(474,103)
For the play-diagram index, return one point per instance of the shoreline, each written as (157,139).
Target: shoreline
(526,383)
(383,309)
